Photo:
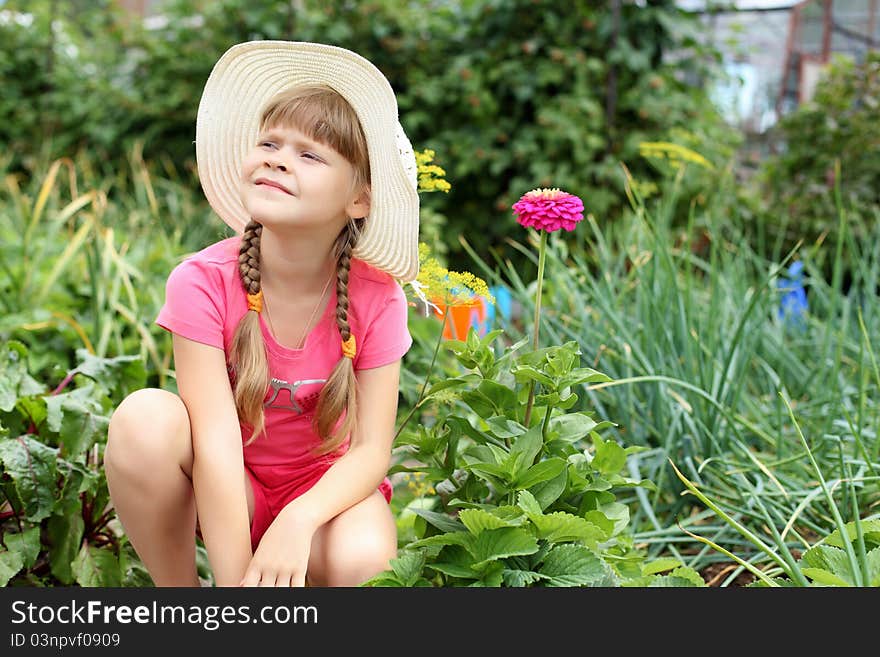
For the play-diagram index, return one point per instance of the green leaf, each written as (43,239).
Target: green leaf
(439,520)
(560,526)
(525,373)
(127,372)
(95,566)
(65,532)
(870,530)
(822,576)
(529,445)
(495,544)
(688,574)
(78,418)
(10,564)
(503,427)
(831,559)
(573,565)
(477,520)
(572,427)
(610,457)
(440,540)
(527,502)
(873,559)
(32,466)
(15,381)
(521,578)
(540,472)
(548,492)
(583,375)
(408,566)
(454,569)
(26,543)
(659,565)
(613,512)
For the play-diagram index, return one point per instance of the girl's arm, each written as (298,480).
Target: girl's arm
(218,462)
(357,473)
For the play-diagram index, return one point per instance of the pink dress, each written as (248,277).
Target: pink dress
(205,300)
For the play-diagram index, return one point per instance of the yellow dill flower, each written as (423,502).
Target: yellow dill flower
(675,153)
(451,288)
(430,175)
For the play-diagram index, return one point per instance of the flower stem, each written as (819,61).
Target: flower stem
(427,376)
(541,250)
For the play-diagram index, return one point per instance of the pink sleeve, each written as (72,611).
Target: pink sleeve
(194,303)
(387,337)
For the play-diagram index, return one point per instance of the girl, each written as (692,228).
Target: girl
(287,338)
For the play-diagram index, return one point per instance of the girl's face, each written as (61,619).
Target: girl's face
(290,180)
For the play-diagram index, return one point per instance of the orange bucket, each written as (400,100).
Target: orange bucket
(461,317)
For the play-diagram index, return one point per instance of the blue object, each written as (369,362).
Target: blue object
(793,304)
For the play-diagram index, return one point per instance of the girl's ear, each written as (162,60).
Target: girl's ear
(359,206)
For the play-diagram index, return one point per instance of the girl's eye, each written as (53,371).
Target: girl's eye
(266,144)
(311,156)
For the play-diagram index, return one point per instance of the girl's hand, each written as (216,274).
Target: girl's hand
(282,557)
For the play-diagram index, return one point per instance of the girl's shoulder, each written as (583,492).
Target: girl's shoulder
(364,279)
(218,253)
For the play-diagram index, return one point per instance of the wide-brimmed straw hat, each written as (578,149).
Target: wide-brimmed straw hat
(239,87)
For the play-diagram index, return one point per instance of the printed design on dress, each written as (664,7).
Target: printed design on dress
(280,384)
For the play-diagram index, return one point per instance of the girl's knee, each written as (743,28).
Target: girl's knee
(146,423)
(366,556)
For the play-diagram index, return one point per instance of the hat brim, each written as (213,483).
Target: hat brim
(242,82)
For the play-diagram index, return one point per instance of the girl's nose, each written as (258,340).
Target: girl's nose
(276,164)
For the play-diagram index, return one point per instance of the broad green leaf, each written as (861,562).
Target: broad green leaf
(477,520)
(529,444)
(495,544)
(834,560)
(688,574)
(385,580)
(822,576)
(127,372)
(613,512)
(15,381)
(65,532)
(870,530)
(440,520)
(501,397)
(540,472)
(10,564)
(492,575)
(583,375)
(873,559)
(26,543)
(521,578)
(503,427)
(441,540)
(408,566)
(511,515)
(559,526)
(610,457)
(672,581)
(32,466)
(527,502)
(78,418)
(525,373)
(572,565)
(548,492)
(454,569)
(443,385)
(572,427)
(659,565)
(96,566)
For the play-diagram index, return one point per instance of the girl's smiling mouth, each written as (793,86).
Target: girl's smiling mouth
(271,183)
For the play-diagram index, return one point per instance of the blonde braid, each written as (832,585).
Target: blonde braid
(248,351)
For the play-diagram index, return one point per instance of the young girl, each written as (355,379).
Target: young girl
(287,338)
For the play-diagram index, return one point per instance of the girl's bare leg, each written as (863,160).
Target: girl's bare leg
(148,462)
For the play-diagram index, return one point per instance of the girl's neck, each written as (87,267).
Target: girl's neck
(294,269)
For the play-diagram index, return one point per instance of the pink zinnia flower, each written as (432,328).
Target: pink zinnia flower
(549,210)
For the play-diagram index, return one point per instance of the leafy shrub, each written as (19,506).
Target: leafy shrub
(517,505)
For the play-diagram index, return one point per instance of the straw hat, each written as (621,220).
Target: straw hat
(239,87)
